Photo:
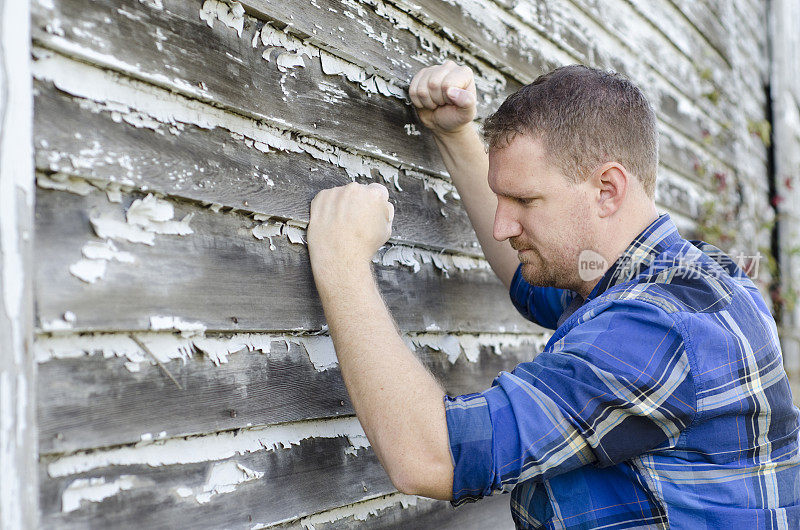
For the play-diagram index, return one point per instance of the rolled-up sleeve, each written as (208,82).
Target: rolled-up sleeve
(541,305)
(610,389)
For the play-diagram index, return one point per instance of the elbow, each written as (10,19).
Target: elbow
(424,478)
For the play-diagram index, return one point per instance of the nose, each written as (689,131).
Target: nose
(506,224)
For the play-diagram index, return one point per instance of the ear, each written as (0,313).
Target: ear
(610,182)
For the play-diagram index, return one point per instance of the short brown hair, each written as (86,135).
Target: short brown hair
(584,117)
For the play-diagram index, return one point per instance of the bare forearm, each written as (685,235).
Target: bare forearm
(397,400)
(468,164)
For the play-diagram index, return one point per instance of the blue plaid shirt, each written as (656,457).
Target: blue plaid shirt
(660,401)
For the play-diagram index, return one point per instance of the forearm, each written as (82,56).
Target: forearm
(397,400)
(468,164)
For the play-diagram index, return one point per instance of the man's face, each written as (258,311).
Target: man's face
(546,218)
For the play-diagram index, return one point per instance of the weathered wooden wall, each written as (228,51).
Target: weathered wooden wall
(185,376)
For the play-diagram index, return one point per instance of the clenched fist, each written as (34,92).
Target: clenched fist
(444,96)
(348,224)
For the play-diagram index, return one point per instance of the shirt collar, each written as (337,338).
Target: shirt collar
(640,254)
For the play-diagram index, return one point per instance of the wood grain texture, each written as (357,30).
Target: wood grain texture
(218,167)
(96,402)
(292,485)
(216,64)
(224,277)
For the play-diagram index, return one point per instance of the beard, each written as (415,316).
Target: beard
(537,271)
(557,270)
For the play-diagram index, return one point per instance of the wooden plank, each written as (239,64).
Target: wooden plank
(174,48)
(19,503)
(419,512)
(235,176)
(150,495)
(400,54)
(94,401)
(121,131)
(225,278)
(702,17)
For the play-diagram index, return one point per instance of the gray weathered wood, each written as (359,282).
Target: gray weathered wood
(162,158)
(18,486)
(95,402)
(222,276)
(212,166)
(701,16)
(315,475)
(491,512)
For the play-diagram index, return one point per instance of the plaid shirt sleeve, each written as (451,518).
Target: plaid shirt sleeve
(542,305)
(614,386)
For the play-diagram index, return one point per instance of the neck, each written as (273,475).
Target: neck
(619,235)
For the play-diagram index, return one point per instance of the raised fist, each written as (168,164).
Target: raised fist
(444,96)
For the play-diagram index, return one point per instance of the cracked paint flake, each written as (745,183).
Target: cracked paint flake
(320,351)
(88,270)
(144,219)
(414,258)
(64,182)
(95,489)
(106,250)
(232,15)
(224,477)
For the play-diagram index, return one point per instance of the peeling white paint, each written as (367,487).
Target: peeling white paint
(207,448)
(287,61)
(155,215)
(106,250)
(144,219)
(163,346)
(333,65)
(186,329)
(111,93)
(95,490)
(267,231)
(320,351)
(88,270)
(414,258)
(96,256)
(63,182)
(109,228)
(232,15)
(360,511)
(453,345)
(224,477)
(184,492)
(295,234)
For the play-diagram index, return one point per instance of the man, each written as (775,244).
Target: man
(660,401)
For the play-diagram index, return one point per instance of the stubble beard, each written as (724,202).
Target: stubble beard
(538,271)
